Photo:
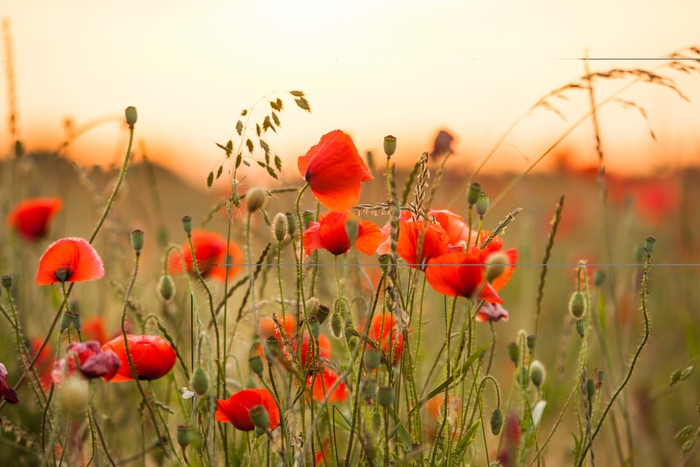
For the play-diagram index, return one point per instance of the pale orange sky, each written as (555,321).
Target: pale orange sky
(370,68)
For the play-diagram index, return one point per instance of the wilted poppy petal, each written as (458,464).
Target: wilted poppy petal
(75,256)
(31,217)
(491,312)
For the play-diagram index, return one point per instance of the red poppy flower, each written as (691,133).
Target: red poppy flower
(236,409)
(93,329)
(92,361)
(334,171)
(434,408)
(329,233)
(434,242)
(210,252)
(269,328)
(31,217)
(6,392)
(71,259)
(322,384)
(152,357)
(383,331)
(307,358)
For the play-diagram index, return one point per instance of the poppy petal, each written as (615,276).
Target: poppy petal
(76,256)
(368,238)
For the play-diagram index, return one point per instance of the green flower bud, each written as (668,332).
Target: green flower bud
(337,325)
(187,225)
(514,352)
(531,341)
(496,266)
(577,305)
(279,226)
(389,145)
(649,244)
(260,417)
(537,373)
(308,217)
(473,193)
(372,358)
(6,281)
(291,224)
(352,229)
(384,261)
(483,204)
(581,328)
(131,116)
(256,199)
(321,313)
(598,278)
(200,381)
(184,436)
(137,240)
(256,364)
(166,288)
(376,421)
(385,396)
(590,388)
(312,306)
(369,389)
(496,421)
(314,327)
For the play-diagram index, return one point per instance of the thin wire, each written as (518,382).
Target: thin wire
(478,265)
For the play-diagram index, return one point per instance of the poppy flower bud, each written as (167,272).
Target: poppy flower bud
(279,226)
(131,116)
(389,145)
(385,396)
(256,199)
(75,394)
(598,278)
(200,381)
(291,224)
(384,261)
(321,313)
(137,240)
(312,305)
(649,244)
(372,358)
(473,193)
(577,305)
(256,364)
(521,376)
(307,217)
(369,389)
(496,421)
(376,421)
(496,266)
(187,225)
(314,327)
(65,322)
(166,288)
(581,328)
(260,417)
(537,373)
(531,340)
(6,281)
(483,204)
(352,229)
(337,325)
(514,352)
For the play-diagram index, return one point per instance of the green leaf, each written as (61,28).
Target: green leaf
(221,146)
(257,130)
(280,104)
(303,104)
(210,179)
(244,112)
(218,172)
(276,119)
(467,438)
(239,127)
(267,124)
(278,163)
(239,159)
(403,433)
(297,93)
(271,171)
(250,146)
(265,147)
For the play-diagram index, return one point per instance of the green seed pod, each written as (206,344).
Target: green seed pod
(537,373)
(271,348)
(385,396)
(259,431)
(590,388)
(77,322)
(514,352)
(522,377)
(256,364)
(291,224)
(200,381)
(483,204)
(473,193)
(649,244)
(531,341)
(260,417)
(66,322)
(496,421)
(256,199)
(376,421)
(131,116)
(598,278)
(372,358)
(187,225)
(337,325)
(369,389)
(321,313)
(352,229)
(279,226)
(581,328)
(166,288)
(577,305)
(6,281)
(137,240)
(184,437)
(62,274)
(389,145)
(496,266)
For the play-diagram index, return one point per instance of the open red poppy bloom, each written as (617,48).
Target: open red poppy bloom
(31,217)
(210,253)
(322,384)
(93,329)
(92,361)
(334,171)
(69,259)
(236,410)
(269,328)
(330,233)
(384,332)
(419,242)
(152,357)
(307,357)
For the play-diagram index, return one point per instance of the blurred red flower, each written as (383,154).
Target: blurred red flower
(269,328)
(322,384)
(384,332)
(329,233)
(31,217)
(69,259)
(307,357)
(210,253)
(93,329)
(334,171)
(236,410)
(92,361)
(152,357)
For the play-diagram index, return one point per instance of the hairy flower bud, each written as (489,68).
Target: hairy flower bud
(581,328)
(279,226)
(291,224)
(385,396)
(200,381)
(483,204)
(256,199)
(496,266)
(372,358)
(166,288)
(369,389)
(537,373)
(137,240)
(514,352)
(131,116)
(75,394)
(496,421)
(577,305)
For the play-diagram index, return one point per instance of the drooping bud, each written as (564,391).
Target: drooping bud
(337,325)
(598,278)
(166,288)
(537,373)
(590,388)
(279,226)
(483,204)
(75,394)
(369,389)
(577,305)
(308,217)
(581,328)
(6,281)
(649,244)
(496,421)
(531,341)
(256,199)
(496,266)
(321,313)
(131,116)
(260,417)
(291,224)
(200,381)
(385,396)
(372,358)
(256,364)
(187,225)
(389,145)
(137,240)
(514,352)
(473,193)
(352,229)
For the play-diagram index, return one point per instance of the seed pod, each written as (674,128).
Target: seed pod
(369,389)
(577,305)
(389,145)
(372,358)
(6,281)
(308,217)
(260,417)
(291,224)
(473,193)
(531,341)
(483,204)
(187,225)
(256,364)
(649,244)
(385,396)
(137,240)
(200,381)
(131,116)
(183,436)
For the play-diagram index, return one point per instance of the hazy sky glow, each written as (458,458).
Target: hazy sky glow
(370,68)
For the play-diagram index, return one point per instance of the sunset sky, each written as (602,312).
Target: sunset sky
(370,68)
